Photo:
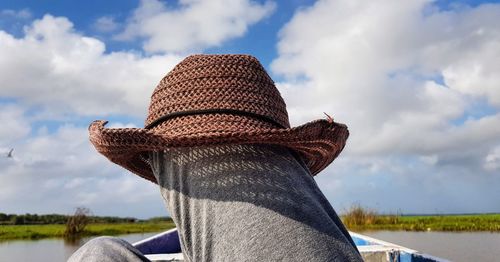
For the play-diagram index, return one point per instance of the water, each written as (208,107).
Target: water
(46,250)
(455,246)
(463,246)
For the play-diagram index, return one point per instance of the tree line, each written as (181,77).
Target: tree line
(35,219)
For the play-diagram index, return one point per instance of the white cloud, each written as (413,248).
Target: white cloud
(408,185)
(121,125)
(14,20)
(14,125)
(373,66)
(21,14)
(105,24)
(55,73)
(492,160)
(404,76)
(59,171)
(64,72)
(194,25)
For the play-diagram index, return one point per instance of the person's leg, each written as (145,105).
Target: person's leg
(249,203)
(107,249)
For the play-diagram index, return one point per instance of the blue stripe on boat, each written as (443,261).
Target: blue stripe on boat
(166,246)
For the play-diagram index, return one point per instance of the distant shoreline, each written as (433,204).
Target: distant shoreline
(34,232)
(446,223)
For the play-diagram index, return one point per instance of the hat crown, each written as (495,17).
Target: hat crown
(215,84)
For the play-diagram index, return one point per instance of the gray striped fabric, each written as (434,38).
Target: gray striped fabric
(249,202)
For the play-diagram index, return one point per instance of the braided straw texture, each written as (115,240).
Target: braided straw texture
(218,82)
(236,82)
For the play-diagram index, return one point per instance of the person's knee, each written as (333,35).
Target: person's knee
(107,243)
(104,248)
(104,240)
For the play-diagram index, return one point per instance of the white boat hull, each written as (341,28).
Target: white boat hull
(166,247)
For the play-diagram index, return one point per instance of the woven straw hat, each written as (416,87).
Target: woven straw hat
(217,99)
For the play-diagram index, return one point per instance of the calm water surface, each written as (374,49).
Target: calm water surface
(465,246)
(460,246)
(46,250)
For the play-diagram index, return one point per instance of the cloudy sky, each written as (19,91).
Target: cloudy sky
(417,82)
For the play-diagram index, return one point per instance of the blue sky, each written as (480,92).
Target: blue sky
(84,14)
(416,82)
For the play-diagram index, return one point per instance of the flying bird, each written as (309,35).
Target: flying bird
(9,155)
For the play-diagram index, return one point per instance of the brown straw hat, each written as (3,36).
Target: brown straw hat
(217,99)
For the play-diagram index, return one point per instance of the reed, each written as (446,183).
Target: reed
(11,232)
(359,218)
(76,224)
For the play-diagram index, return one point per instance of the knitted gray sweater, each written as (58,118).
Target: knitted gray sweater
(249,202)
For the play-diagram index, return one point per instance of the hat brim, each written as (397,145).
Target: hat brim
(317,142)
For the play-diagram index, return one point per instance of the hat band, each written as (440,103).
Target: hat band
(212,111)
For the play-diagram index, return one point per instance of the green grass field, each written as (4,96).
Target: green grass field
(487,222)
(10,232)
(357,221)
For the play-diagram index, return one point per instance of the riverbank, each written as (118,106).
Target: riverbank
(12,232)
(356,222)
(446,223)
